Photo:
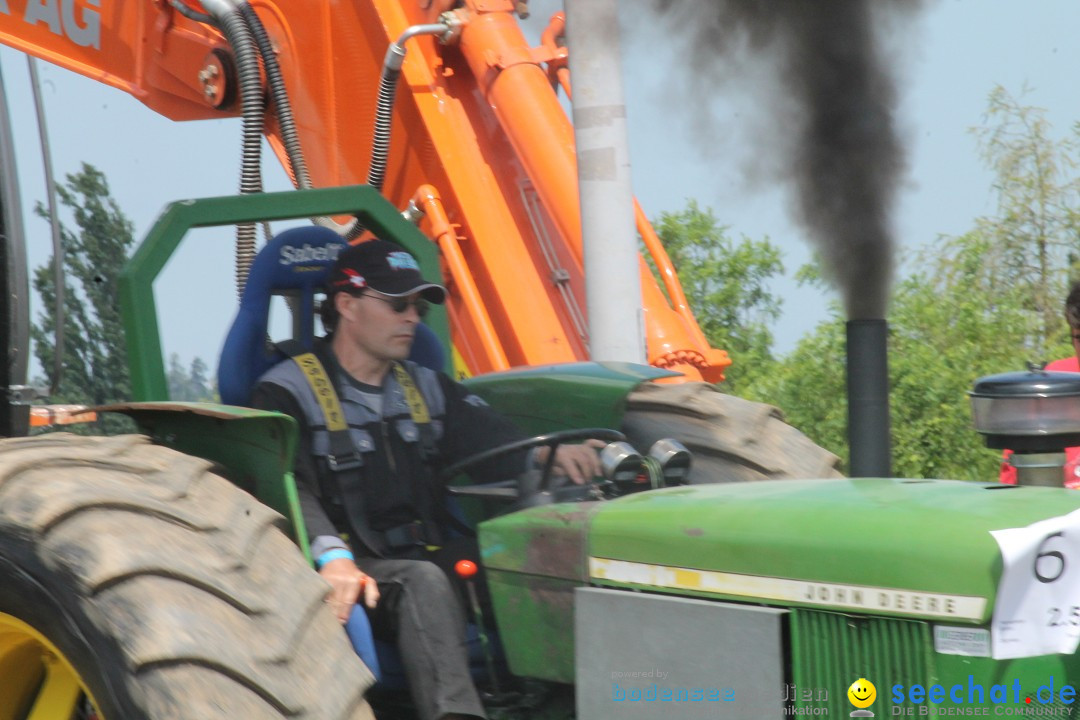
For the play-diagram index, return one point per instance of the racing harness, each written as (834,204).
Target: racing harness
(345,461)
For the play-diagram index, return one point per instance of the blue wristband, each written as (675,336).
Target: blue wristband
(334,554)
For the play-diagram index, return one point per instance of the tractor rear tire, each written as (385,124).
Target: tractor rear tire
(731,439)
(164,590)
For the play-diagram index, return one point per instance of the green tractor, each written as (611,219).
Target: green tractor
(166,574)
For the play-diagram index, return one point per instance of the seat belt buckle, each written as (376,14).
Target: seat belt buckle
(352,461)
(407,535)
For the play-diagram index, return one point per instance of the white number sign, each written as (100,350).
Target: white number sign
(1038,601)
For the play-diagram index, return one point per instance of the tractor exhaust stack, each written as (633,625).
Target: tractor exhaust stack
(868,398)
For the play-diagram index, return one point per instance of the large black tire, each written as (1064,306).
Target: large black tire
(170,592)
(732,440)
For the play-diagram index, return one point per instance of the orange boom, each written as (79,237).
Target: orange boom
(480,144)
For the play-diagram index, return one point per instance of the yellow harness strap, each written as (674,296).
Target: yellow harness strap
(417,407)
(419,411)
(315,374)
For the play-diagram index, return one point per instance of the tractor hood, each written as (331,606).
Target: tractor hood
(906,549)
(911,548)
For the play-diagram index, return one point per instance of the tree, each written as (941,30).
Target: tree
(200,386)
(189,385)
(982,303)
(94,363)
(726,284)
(1033,236)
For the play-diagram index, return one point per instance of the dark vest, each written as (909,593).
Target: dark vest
(376,437)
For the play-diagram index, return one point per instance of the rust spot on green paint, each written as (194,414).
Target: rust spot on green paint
(570,513)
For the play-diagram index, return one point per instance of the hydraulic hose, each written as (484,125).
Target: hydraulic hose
(297,169)
(384,112)
(384,109)
(189,13)
(232,24)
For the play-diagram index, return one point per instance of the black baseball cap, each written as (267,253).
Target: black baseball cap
(382,266)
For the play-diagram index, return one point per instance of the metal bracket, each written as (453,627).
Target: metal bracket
(23,394)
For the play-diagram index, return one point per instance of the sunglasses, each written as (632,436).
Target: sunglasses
(401,305)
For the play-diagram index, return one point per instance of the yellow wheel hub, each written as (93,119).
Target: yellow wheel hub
(36,681)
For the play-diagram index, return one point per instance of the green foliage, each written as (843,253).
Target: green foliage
(953,322)
(190,384)
(726,284)
(94,363)
(809,385)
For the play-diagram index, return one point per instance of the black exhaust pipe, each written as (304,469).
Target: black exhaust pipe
(868,398)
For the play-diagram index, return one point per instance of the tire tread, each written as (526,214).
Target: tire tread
(732,439)
(211,604)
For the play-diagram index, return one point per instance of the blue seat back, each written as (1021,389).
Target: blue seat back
(295,263)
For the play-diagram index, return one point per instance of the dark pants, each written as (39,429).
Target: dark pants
(419,611)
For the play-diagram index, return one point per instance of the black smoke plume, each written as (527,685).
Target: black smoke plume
(831,129)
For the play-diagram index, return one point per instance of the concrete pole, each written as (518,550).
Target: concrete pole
(612,271)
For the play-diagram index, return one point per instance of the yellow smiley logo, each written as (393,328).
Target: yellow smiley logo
(862,693)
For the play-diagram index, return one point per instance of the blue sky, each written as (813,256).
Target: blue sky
(952,55)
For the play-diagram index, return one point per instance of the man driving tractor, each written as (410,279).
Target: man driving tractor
(370,492)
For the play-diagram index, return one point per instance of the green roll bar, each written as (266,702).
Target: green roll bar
(136,291)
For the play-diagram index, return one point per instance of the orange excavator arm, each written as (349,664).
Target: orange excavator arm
(478,144)
(146,49)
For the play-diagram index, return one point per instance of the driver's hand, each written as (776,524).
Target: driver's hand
(346,583)
(580,463)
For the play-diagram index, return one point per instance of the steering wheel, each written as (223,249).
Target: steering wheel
(508,489)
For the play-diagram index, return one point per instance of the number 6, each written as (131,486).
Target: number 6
(1052,554)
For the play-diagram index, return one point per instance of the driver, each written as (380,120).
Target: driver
(373,477)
